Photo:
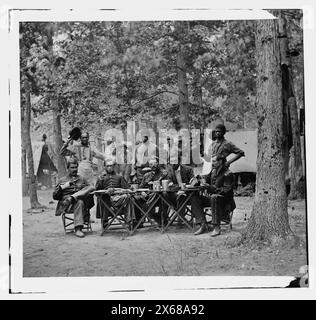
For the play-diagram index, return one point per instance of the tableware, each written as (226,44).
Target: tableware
(165,185)
(156,185)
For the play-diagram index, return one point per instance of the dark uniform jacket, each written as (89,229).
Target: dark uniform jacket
(105,182)
(153,176)
(113,180)
(222,183)
(186,173)
(61,194)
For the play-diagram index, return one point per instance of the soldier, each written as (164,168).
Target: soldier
(84,153)
(109,181)
(221,146)
(156,174)
(72,191)
(219,184)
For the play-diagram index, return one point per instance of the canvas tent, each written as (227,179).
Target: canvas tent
(246,140)
(44,166)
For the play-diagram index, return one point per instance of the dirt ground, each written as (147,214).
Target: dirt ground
(48,252)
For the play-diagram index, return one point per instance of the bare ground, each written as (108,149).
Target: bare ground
(48,252)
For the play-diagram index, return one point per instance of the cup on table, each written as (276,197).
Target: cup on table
(156,185)
(182,186)
(165,185)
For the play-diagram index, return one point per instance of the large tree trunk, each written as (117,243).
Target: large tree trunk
(182,79)
(269,218)
(61,164)
(28,147)
(289,104)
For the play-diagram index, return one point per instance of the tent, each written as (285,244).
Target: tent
(246,140)
(44,166)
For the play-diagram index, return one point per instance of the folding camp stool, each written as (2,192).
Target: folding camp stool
(174,213)
(116,218)
(68,222)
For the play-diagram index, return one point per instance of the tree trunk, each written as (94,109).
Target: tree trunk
(296,169)
(182,80)
(25,190)
(28,147)
(61,163)
(58,142)
(24,179)
(269,218)
(289,104)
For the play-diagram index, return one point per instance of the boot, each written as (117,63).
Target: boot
(201,230)
(216,231)
(79,233)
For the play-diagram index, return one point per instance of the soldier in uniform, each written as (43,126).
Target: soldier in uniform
(109,181)
(219,184)
(157,173)
(223,147)
(73,193)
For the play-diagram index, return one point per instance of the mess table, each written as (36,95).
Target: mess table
(175,209)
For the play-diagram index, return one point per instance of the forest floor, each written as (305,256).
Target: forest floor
(48,252)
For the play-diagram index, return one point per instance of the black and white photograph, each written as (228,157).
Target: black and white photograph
(158,151)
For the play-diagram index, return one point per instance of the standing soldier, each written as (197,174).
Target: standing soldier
(223,147)
(84,153)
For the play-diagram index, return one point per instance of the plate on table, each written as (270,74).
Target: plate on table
(99,191)
(142,190)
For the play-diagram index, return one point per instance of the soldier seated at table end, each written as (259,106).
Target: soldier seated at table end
(183,174)
(219,184)
(73,195)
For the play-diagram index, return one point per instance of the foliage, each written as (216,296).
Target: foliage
(110,72)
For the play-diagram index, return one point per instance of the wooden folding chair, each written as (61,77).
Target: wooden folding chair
(174,213)
(116,218)
(224,222)
(68,222)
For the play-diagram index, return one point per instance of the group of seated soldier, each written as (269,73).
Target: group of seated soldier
(74,192)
